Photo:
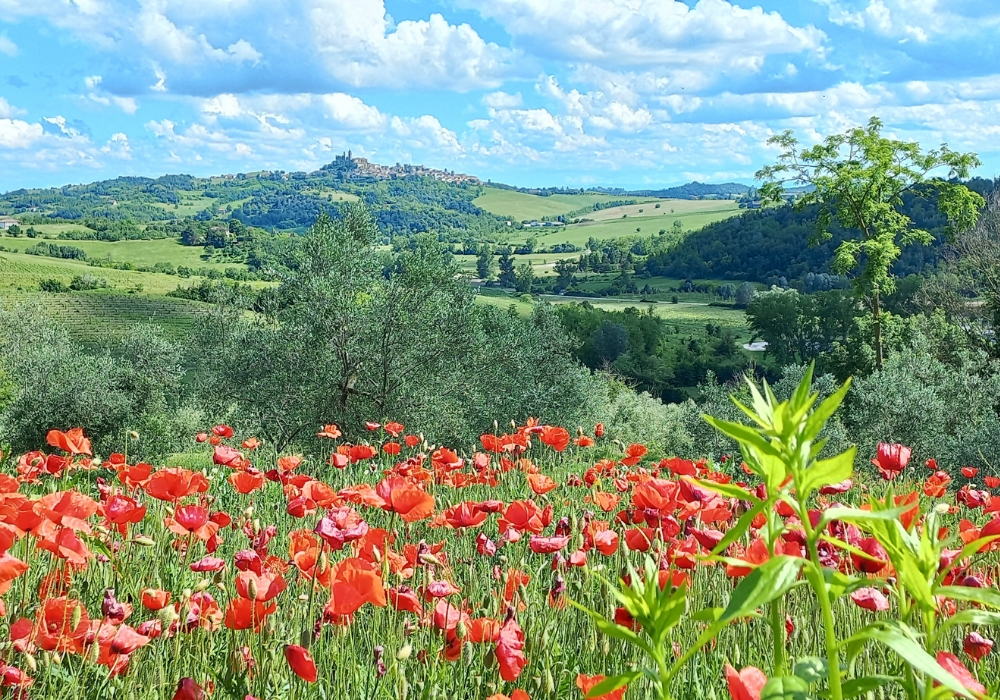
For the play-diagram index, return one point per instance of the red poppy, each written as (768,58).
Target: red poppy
(245,613)
(354,582)
(510,650)
(72,441)
(192,520)
(392,448)
(583,441)
(639,539)
(301,663)
(175,483)
(411,440)
(877,556)
(330,431)
(465,514)
(358,453)
(951,663)
(406,498)
(891,459)
(522,516)
(246,482)
(155,598)
(969,472)
(745,684)
(599,430)
(340,526)
(121,511)
(588,683)
(547,545)
(976,646)
(555,437)
(633,454)
(188,689)
(936,484)
(992,481)
(870,599)
(541,484)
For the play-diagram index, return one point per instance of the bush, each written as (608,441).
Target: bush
(87,281)
(52,286)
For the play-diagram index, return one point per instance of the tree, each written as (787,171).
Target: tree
(678,227)
(524,277)
(484,262)
(744,294)
(859,178)
(609,342)
(507,276)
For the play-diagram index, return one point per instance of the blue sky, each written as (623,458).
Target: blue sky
(631,93)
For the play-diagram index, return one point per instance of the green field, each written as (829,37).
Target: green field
(166,250)
(191,203)
(619,222)
(20,272)
(521,206)
(541,263)
(56,229)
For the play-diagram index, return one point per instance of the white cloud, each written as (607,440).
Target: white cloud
(914,19)
(639,33)
(8,110)
(426,132)
(15,133)
(7,46)
(118,147)
(503,100)
(361,47)
(351,113)
(159,34)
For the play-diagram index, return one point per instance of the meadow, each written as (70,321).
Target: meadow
(540,563)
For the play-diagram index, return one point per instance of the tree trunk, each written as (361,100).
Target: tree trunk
(877,319)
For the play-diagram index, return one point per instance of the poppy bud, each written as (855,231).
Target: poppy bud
(324,561)
(404,652)
(217,577)
(248,513)
(305,639)
(203,584)
(376,555)
(404,689)
(32,664)
(496,427)
(252,588)
(167,615)
(76,617)
(144,541)
(941,508)
(460,630)
(94,653)
(133,434)
(256,525)
(550,684)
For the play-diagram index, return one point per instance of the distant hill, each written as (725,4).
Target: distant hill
(697,190)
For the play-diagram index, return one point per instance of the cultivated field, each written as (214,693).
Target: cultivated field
(520,206)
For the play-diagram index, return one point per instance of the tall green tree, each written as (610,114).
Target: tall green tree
(859,178)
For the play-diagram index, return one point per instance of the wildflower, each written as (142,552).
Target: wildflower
(72,441)
(976,646)
(588,683)
(745,684)
(891,459)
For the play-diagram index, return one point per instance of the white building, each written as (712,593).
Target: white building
(6,222)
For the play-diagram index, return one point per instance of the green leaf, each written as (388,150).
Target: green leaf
(839,584)
(891,634)
(860,686)
(811,668)
(617,631)
(708,614)
(610,685)
(785,688)
(856,515)
(727,490)
(744,435)
(966,551)
(824,472)
(741,526)
(818,418)
(768,581)
(983,596)
(976,618)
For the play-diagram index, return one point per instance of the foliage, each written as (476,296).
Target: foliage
(133,385)
(860,178)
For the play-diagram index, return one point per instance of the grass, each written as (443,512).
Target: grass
(20,272)
(521,206)
(191,203)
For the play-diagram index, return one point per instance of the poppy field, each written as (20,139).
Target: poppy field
(541,563)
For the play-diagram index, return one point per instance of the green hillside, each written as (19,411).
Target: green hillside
(521,206)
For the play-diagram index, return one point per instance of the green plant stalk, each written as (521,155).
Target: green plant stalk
(815,576)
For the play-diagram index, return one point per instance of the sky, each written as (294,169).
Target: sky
(576,93)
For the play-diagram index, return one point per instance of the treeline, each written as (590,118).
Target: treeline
(766,245)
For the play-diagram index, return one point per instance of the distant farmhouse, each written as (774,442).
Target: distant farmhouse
(347,167)
(6,222)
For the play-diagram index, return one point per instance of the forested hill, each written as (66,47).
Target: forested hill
(763,245)
(697,190)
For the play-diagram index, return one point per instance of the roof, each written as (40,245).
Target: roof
(8,218)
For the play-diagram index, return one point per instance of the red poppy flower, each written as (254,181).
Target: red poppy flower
(354,582)
(936,484)
(192,520)
(358,453)
(633,454)
(599,430)
(976,646)
(522,516)
(745,684)
(870,599)
(583,441)
(301,663)
(245,614)
(465,514)
(406,498)
(547,545)
(330,431)
(340,526)
(188,689)
(588,683)
(155,598)
(879,557)
(555,437)
(510,650)
(969,472)
(992,481)
(122,511)
(541,484)
(891,459)
(392,448)
(951,663)
(175,483)
(72,441)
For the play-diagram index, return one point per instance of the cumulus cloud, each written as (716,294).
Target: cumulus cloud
(361,47)
(159,34)
(8,110)
(351,113)
(15,133)
(638,33)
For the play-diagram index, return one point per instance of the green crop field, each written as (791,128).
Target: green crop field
(55,229)
(521,206)
(619,222)
(541,263)
(191,203)
(20,272)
